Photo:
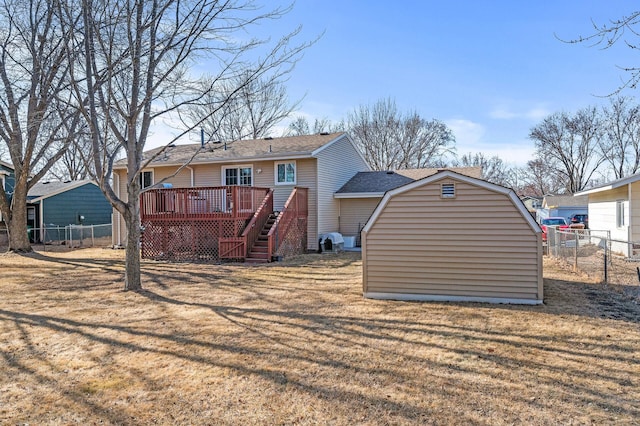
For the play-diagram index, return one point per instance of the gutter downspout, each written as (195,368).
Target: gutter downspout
(193,175)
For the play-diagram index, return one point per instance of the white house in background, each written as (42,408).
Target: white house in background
(615,207)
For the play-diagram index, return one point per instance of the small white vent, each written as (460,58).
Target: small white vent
(448,190)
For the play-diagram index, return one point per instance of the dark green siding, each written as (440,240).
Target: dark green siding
(65,208)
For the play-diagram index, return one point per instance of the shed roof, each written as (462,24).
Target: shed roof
(42,190)
(290,147)
(442,174)
(376,183)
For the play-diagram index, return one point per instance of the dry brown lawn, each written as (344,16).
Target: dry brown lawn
(295,343)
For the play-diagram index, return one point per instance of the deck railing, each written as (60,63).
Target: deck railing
(239,247)
(201,203)
(292,218)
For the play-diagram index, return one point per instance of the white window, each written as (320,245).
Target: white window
(146,179)
(285,173)
(621,213)
(240,175)
(448,190)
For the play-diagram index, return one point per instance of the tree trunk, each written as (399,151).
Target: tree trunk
(132,281)
(17,223)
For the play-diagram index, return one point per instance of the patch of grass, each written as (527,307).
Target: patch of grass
(295,343)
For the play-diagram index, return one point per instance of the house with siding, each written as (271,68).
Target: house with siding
(451,237)
(614,208)
(230,189)
(60,204)
(7,181)
(359,197)
(561,206)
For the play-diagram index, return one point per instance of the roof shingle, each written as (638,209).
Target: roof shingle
(383,181)
(267,148)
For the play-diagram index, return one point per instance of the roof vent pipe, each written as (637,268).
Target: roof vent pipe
(225,146)
(269,148)
(202,137)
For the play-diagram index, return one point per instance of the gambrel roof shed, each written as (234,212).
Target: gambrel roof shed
(451,237)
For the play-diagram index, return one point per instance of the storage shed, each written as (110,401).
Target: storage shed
(450,237)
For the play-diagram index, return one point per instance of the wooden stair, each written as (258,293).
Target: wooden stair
(259,253)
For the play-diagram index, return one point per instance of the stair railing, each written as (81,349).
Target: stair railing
(295,208)
(252,230)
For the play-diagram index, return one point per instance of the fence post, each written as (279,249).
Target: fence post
(93,241)
(575,251)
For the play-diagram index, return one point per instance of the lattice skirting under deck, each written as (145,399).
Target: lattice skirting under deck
(187,240)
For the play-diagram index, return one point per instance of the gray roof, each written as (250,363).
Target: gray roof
(267,148)
(46,189)
(374,182)
(383,181)
(555,201)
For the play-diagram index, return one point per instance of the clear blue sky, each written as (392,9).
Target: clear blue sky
(489,69)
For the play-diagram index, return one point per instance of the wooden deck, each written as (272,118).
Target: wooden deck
(201,203)
(227,222)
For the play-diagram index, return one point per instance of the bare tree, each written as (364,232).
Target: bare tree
(242,108)
(73,163)
(390,140)
(300,126)
(36,122)
(568,146)
(494,169)
(135,69)
(539,179)
(605,36)
(620,145)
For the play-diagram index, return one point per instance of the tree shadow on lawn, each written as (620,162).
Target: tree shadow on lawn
(282,331)
(564,297)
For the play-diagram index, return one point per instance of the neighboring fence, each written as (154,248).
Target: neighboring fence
(70,235)
(595,254)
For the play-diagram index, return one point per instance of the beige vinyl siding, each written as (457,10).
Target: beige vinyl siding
(207,175)
(354,213)
(476,245)
(180,180)
(337,163)
(117,221)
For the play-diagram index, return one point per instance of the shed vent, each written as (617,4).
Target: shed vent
(448,190)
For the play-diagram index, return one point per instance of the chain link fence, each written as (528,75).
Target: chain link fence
(595,254)
(70,236)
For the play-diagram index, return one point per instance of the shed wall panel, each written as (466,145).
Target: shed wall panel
(477,244)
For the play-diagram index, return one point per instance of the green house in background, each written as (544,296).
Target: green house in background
(60,204)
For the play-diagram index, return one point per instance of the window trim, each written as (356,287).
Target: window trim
(448,195)
(153,178)
(223,176)
(295,172)
(621,213)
